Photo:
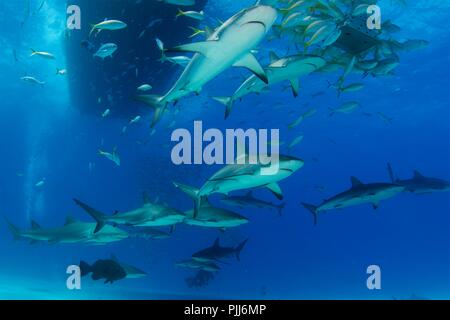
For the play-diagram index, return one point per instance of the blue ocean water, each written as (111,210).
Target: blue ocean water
(46,136)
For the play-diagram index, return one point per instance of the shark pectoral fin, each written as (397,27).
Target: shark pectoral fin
(249,61)
(276,190)
(199,47)
(295,84)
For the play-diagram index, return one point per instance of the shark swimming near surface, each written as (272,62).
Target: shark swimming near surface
(229,45)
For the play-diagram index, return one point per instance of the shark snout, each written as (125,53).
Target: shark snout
(265,15)
(291,163)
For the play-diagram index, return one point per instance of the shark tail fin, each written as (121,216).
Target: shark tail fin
(193,193)
(280,208)
(227,102)
(97,215)
(156,103)
(391,173)
(179,14)
(85,268)
(239,249)
(93,27)
(14,230)
(313,209)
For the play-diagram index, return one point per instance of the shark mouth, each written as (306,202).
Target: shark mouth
(288,170)
(257,22)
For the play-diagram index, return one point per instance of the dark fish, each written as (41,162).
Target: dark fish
(201,279)
(109,270)
(89,46)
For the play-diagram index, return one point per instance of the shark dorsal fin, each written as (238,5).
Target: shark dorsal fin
(418,175)
(216,243)
(145,198)
(205,202)
(35,225)
(114,258)
(273,57)
(356,182)
(69,220)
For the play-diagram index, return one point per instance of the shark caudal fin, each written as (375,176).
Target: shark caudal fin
(313,209)
(14,230)
(85,268)
(97,215)
(93,28)
(227,102)
(156,103)
(193,193)
(280,208)
(239,249)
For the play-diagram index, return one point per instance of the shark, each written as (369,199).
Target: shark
(130,271)
(236,177)
(229,45)
(248,200)
(149,233)
(217,252)
(213,217)
(114,156)
(195,264)
(359,193)
(419,183)
(149,215)
(73,231)
(290,69)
